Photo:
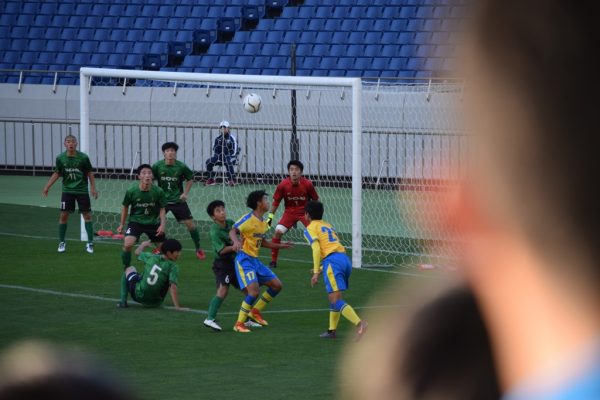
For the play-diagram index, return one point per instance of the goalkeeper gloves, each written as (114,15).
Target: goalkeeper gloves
(270,219)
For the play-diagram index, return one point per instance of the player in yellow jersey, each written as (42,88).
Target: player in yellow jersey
(252,273)
(329,257)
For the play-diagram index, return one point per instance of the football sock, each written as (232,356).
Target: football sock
(195,237)
(265,299)
(215,303)
(347,311)
(245,308)
(123,288)
(334,318)
(275,252)
(89,229)
(62,231)
(126,258)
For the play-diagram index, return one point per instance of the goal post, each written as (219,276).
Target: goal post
(206,81)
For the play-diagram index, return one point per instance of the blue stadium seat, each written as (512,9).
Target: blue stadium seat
(233,49)
(243,61)
(355,50)
(24,20)
(158,23)
(408,12)
(284,50)
(328,63)
(141,23)
(158,48)
(125,22)
(72,46)
(133,60)
(166,11)
(81,58)
(406,38)
(324,12)
(358,12)
(363,63)
(269,49)
(106,47)
(140,47)
(85,34)
(134,35)
(7,19)
(349,25)
(28,57)
(279,62)
(259,62)
(184,36)
(36,45)
(83,9)
(124,47)
(88,46)
(277,36)
(282,24)
(58,21)
(321,50)
(258,36)
(251,49)
(304,49)
(199,11)
(116,10)
(365,25)
(167,36)
(380,63)
(340,37)
(101,34)
(337,50)
(12,7)
(307,37)
(117,35)
(182,11)
(341,12)
(306,12)
(422,38)
(18,44)
(415,63)
(372,50)
(345,62)
(374,12)
(150,35)
(336,72)
(233,12)
(398,25)
(30,8)
(332,25)
(4,32)
(149,10)
(64,58)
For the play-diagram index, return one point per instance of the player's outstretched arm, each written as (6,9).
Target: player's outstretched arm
(124,212)
(270,245)
(142,246)
(90,176)
(51,181)
(175,298)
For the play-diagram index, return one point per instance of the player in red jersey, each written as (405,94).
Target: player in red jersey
(296,191)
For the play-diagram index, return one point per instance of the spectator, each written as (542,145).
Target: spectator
(225,152)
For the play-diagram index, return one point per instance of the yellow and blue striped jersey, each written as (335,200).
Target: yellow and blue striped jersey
(321,231)
(252,230)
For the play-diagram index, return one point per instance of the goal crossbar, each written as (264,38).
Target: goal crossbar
(354,84)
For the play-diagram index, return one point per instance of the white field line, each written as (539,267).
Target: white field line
(301,261)
(203,312)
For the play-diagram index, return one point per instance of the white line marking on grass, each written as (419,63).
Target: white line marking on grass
(294,260)
(191,310)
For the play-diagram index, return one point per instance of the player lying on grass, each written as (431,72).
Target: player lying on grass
(295,191)
(170,174)
(75,169)
(329,257)
(159,277)
(147,203)
(224,265)
(252,273)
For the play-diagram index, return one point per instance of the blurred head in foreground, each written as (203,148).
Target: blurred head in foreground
(528,301)
(38,370)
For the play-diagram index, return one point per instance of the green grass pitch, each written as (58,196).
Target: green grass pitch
(167,354)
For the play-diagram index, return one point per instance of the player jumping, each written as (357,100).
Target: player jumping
(296,191)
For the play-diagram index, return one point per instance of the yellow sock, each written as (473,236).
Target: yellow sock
(244,310)
(334,318)
(349,313)
(265,299)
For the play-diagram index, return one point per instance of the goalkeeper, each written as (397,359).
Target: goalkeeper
(295,191)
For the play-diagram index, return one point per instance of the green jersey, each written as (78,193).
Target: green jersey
(74,170)
(170,178)
(158,275)
(219,237)
(145,205)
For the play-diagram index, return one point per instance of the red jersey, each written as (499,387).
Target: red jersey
(294,197)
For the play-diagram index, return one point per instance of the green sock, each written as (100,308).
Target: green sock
(215,303)
(123,288)
(195,237)
(62,231)
(126,258)
(89,228)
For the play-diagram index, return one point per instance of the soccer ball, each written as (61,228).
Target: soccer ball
(252,103)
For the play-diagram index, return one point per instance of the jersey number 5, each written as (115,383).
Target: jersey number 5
(153,275)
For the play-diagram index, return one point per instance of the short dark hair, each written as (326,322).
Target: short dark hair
(297,163)
(315,209)
(141,167)
(210,209)
(170,145)
(170,245)
(254,198)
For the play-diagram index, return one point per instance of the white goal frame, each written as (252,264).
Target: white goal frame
(355,84)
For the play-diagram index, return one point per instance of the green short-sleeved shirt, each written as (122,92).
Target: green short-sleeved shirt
(170,178)
(219,237)
(158,275)
(74,170)
(145,205)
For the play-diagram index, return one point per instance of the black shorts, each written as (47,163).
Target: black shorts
(67,202)
(132,279)
(224,271)
(180,211)
(136,229)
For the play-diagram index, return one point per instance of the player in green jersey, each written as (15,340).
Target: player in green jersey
(147,203)
(170,174)
(159,277)
(223,266)
(75,169)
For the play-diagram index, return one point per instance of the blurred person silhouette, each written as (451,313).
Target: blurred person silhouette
(524,322)
(39,370)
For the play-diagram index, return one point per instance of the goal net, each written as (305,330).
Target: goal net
(377,178)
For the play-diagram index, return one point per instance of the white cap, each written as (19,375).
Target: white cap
(224,124)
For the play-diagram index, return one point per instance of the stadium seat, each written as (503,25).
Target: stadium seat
(177,52)
(251,49)
(124,47)
(201,41)
(154,62)
(106,47)
(372,50)
(150,35)
(249,17)
(274,8)
(225,29)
